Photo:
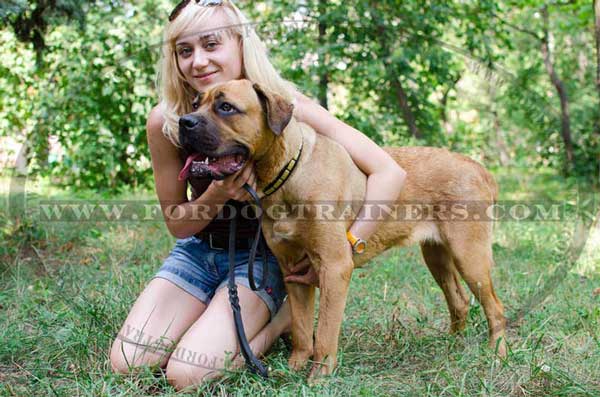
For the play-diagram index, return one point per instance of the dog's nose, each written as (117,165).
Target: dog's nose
(189,121)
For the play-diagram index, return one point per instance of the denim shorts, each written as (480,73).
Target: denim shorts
(200,270)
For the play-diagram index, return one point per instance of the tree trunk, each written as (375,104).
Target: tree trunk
(500,144)
(323,61)
(597,34)
(444,104)
(402,98)
(560,89)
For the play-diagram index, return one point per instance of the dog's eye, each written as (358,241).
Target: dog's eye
(195,105)
(226,108)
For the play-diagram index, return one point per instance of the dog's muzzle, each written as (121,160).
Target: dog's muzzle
(195,133)
(207,156)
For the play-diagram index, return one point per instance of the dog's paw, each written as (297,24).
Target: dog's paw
(318,372)
(499,346)
(298,360)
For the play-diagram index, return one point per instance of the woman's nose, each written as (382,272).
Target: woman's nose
(200,59)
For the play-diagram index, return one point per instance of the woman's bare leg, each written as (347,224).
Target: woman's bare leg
(211,343)
(160,316)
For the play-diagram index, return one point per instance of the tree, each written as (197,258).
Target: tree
(553,49)
(93,96)
(31,20)
(597,39)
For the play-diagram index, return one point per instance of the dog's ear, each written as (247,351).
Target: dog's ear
(277,109)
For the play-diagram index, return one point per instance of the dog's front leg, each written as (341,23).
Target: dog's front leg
(302,305)
(300,297)
(335,270)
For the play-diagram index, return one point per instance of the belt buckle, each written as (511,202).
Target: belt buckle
(210,243)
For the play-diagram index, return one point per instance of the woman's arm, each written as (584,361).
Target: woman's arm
(185,218)
(385,177)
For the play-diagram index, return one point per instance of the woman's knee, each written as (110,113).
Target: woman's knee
(126,357)
(185,372)
(119,362)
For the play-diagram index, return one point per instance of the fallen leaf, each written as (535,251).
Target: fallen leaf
(68,246)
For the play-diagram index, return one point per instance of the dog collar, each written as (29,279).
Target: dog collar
(284,174)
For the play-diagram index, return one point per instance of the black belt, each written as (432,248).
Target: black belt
(221,241)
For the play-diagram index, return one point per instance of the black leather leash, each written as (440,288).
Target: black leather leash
(253,363)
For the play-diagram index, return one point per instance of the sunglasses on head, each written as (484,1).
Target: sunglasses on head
(184,3)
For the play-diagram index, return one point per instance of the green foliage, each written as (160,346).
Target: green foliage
(104,81)
(528,100)
(465,75)
(369,46)
(94,97)
(30,20)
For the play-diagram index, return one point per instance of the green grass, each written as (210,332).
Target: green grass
(65,290)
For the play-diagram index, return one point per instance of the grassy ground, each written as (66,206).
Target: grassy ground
(65,290)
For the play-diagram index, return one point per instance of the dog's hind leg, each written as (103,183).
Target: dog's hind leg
(444,272)
(471,250)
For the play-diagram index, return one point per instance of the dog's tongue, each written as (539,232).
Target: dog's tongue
(216,168)
(185,171)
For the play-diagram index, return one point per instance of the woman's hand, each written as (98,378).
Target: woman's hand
(231,188)
(303,273)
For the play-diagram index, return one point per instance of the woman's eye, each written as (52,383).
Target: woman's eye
(211,45)
(185,52)
(226,107)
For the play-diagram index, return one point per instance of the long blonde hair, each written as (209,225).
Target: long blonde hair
(176,94)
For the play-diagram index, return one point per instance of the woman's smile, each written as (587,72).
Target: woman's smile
(205,76)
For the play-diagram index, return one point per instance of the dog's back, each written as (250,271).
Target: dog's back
(441,175)
(441,188)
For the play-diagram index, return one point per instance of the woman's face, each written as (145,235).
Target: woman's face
(209,57)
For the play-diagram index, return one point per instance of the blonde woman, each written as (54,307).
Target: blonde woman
(182,321)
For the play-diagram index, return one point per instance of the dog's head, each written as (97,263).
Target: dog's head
(232,122)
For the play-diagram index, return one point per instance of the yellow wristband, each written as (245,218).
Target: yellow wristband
(358,245)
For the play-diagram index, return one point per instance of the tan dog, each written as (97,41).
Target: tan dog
(238,120)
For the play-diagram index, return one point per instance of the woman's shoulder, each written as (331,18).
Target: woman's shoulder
(154,131)
(156,120)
